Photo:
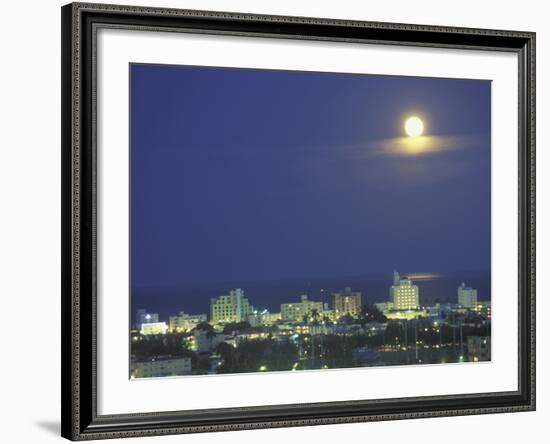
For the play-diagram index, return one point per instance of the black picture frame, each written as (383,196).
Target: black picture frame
(80,420)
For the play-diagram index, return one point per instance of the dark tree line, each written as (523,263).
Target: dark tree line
(255,355)
(171,344)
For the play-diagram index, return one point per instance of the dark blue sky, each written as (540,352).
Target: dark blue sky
(251,175)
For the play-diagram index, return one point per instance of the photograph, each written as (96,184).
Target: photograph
(290,221)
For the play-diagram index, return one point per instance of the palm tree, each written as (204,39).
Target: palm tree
(314,322)
(315,317)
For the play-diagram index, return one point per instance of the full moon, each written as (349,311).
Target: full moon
(414,127)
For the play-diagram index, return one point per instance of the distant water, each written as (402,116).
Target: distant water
(433,287)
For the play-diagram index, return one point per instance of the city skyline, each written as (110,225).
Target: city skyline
(236,336)
(271,295)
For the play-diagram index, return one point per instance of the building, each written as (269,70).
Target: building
(251,336)
(160,366)
(205,341)
(143,317)
(483,308)
(233,307)
(347,302)
(185,322)
(479,348)
(403,293)
(154,328)
(383,307)
(406,315)
(296,311)
(467,296)
(435,311)
(330,315)
(263,318)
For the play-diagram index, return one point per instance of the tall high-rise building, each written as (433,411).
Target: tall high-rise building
(233,307)
(403,293)
(347,302)
(467,296)
(295,311)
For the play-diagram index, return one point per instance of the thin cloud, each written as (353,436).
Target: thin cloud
(414,146)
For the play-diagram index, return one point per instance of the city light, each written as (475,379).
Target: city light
(310,334)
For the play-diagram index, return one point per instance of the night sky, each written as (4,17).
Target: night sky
(254,175)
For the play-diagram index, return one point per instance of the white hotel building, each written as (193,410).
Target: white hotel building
(403,293)
(467,296)
(233,307)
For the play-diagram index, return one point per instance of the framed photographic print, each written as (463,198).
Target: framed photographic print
(279,221)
